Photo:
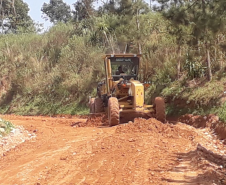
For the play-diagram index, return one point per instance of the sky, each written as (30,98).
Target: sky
(35,10)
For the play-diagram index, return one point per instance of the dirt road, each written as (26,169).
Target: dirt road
(70,151)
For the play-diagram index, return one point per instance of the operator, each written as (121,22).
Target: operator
(119,71)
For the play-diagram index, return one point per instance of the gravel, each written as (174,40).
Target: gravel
(16,136)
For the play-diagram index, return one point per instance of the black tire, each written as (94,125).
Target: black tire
(160,109)
(113,111)
(92,106)
(99,106)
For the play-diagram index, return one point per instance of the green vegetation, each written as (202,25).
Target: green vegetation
(197,97)
(5,127)
(49,73)
(182,45)
(14,17)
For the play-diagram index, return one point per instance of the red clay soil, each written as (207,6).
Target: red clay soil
(211,121)
(83,151)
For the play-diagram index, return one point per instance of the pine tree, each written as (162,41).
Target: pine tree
(206,19)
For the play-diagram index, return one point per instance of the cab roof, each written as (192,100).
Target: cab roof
(122,55)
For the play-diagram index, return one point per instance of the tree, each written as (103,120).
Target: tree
(14,16)
(126,11)
(126,8)
(57,11)
(206,19)
(83,9)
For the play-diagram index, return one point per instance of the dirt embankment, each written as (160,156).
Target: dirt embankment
(85,151)
(209,121)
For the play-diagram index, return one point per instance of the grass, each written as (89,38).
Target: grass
(220,111)
(6,126)
(173,110)
(199,99)
(52,73)
(210,92)
(42,105)
(56,72)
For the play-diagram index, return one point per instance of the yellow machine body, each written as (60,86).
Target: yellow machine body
(130,95)
(121,91)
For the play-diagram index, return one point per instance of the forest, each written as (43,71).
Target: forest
(49,72)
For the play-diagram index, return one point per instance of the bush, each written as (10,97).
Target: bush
(5,127)
(50,71)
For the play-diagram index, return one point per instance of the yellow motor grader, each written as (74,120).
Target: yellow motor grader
(122,92)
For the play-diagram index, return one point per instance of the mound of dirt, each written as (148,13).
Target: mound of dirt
(142,125)
(155,128)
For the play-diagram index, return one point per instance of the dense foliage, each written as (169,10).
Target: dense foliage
(14,17)
(55,72)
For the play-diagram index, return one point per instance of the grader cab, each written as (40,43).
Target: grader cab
(122,92)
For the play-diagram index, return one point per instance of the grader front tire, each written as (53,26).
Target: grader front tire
(113,111)
(160,109)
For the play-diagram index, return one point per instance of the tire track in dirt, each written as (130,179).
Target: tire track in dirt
(195,166)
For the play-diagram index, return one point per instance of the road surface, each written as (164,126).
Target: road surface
(74,150)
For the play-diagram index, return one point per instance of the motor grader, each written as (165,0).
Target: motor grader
(121,91)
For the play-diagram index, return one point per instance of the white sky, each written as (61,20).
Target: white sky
(35,10)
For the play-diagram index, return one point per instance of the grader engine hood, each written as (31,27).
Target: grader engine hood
(136,90)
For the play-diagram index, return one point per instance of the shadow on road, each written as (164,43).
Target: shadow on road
(197,167)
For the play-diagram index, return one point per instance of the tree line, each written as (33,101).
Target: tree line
(196,27)
(52,71)
(188,34)
(14,17)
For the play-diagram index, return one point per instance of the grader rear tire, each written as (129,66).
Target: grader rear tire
(113,111)
(160,109)
(99,106)
(91,106)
